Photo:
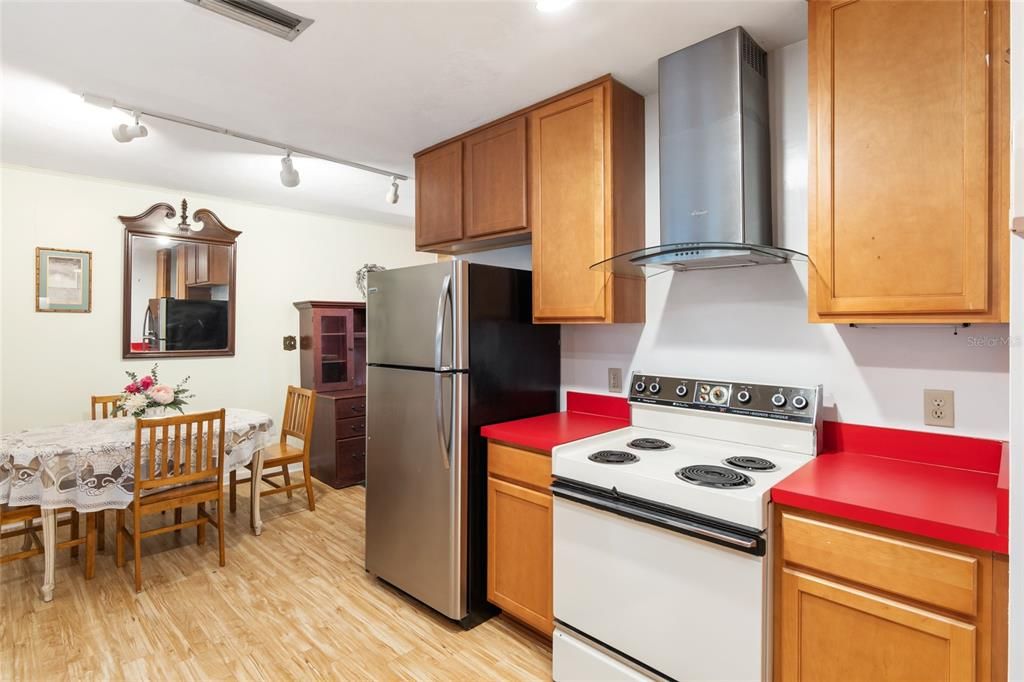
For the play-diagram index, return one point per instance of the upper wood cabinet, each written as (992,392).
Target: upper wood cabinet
(567,174)
(439,195)
(471,193)
(495,179)
(586,204)
(909,161)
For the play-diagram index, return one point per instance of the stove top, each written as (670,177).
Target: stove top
(709,447)
(750,463)
(613,457)
(648,444)
(712,476)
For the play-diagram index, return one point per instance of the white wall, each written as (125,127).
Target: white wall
(51,362)
(1017,353)
(750,323)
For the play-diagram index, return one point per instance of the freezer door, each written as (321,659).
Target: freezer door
(415,317)
(416,484)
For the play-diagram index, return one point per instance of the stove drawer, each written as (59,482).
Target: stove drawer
(941,577)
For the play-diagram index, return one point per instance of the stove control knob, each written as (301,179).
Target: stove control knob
(778,400)
(654,388)
(640,386)
(743,397)
(719,395)
(799,402)
(681,390)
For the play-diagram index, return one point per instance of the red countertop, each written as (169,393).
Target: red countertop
(586,415)
(949,488)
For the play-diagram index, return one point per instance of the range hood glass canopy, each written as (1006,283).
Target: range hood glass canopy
(695,256)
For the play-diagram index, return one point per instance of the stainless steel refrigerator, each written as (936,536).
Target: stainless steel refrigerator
(450,347)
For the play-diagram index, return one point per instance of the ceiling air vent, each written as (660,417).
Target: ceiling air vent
(259,14)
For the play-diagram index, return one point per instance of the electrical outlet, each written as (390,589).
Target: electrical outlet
(615,380)
(938,408)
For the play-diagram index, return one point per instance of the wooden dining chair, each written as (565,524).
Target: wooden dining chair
(110,407)
(23,521)
(179,463)
(299,406)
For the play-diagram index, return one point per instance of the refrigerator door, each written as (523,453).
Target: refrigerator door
(417,484)
(415,316)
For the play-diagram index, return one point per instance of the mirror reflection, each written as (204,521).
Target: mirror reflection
(180,295)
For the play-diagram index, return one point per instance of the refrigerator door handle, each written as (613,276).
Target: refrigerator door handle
(445,295)
(445,443)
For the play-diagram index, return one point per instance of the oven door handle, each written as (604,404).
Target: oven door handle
(670,522)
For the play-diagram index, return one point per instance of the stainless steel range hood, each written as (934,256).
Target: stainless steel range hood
(715,160)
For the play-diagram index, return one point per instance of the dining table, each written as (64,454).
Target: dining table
(89,466)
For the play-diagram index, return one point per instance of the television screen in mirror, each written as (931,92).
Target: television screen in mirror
(179,289)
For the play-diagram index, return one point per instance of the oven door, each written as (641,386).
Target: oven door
(683,598)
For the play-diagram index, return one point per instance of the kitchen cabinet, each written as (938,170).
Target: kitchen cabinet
(439,196)
(495,180)
(519,535)
(205,265)
(471,192)
(909,161)
(566,174)
(586,204)
(857,602)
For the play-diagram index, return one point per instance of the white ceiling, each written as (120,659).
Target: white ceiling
(369,81)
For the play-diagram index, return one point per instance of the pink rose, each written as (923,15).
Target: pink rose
(161,393)
(131,388)
(146,382)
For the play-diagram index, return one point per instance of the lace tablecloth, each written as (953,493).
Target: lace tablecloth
(89,465)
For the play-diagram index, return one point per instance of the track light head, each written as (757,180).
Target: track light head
(392,195)
(289,176)
(123,132)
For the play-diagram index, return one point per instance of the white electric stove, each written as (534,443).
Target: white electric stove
(661,531)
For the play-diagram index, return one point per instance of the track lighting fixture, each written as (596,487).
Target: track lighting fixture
(392,195)
(289,176)
(123,132)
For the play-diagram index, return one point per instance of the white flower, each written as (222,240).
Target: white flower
(135,402)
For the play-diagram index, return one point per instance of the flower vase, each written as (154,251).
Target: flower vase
(152,412)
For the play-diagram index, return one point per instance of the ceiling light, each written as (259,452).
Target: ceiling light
(547,6)
(289,176)
(126,133)
(392,195)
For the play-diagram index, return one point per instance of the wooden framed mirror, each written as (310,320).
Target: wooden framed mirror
(179,284)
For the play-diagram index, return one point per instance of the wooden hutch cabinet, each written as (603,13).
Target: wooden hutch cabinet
(332,361)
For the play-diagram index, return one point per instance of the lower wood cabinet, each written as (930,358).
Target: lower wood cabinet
(855,602)
(338,454)
(519,535)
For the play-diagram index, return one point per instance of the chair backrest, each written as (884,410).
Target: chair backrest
(298,415)
(110,404)
(178,450)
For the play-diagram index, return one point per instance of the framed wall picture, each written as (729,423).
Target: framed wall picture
(63,281)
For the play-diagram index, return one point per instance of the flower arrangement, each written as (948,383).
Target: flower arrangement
(142,394)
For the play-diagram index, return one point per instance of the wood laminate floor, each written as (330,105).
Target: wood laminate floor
(294,603)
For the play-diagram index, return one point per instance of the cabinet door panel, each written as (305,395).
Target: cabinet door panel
(439,195)
(495,183)
(519,552)
(834,632)
(900,201)
(567,207)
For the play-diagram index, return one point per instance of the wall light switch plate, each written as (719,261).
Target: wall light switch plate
(938,408)
(289,343)
(615,380)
